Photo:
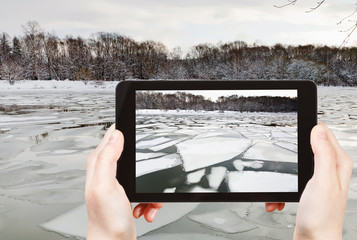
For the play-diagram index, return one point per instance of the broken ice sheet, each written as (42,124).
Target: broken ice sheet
(287,145)
(153,165)
(270,152)
(223,221)
(166,145)
(196,176)
(251,181)
(216,176)
(239,164)
(152,142)
(141,156)
(199,153)
(278,134)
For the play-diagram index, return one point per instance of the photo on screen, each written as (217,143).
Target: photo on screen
(202,141)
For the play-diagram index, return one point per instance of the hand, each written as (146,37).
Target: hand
(109,210)
(323,203)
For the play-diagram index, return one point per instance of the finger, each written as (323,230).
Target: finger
(344,162)
(105,138)
(271,207)
(281,206)
(106,162)
(150,213)
(324,155)
(157,205)
(91,159)
(139,210)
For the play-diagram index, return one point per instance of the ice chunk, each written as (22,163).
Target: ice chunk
(287,145)
(278,134)
(75,221)
(242,209)
(269,152)
(152,142)
(223,221)
(216,176)
(196,176)
(199,153)
(187,132)
(153,165)
(142,156)
(239,164)
(166,145)
(250,181)
(141,136)
(169,190)
(199,189)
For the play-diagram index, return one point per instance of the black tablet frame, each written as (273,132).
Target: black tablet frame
(125,122)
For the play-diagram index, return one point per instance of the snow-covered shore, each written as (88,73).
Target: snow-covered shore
(54,85)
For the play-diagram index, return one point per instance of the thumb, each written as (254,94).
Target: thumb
(106,163)
(324,153)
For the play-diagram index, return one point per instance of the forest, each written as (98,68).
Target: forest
(188,101)
(111,56)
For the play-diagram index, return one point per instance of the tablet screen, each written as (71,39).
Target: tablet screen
(202,141)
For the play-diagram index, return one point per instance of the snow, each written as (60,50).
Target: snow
(153,165)
(268,152)
(57,86)
(199,153)
(250,181)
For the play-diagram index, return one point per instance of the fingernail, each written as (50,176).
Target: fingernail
(321,132)
(113,137)
(153,214)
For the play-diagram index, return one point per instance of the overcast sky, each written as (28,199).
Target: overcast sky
(186,22)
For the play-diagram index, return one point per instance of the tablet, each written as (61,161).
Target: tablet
(221,141)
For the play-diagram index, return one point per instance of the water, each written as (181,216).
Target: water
(44,141)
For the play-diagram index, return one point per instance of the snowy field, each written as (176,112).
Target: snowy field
(197,151)
(47,132)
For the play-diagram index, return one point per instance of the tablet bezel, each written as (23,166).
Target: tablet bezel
(125,122)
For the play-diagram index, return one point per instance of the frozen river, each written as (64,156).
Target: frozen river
(45,137)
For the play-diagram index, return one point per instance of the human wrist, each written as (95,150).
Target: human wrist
(315,235)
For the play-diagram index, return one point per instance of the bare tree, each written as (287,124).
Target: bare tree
(11,71)
(350,18)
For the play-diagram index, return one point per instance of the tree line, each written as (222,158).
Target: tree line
(110,56)
(188,101)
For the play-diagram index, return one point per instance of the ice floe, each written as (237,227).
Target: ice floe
(251,181)
(196,176)
(216,176)
(199,153)
(153,165)
(143,156)
(268,152)
(223,221)
(239,164)
(151,143)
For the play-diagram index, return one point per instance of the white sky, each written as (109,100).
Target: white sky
(214,94)
(185,22)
